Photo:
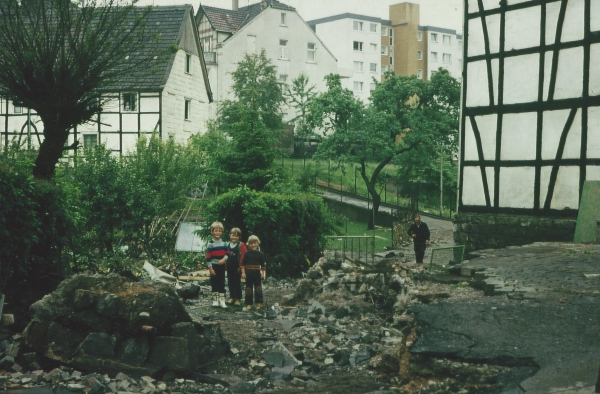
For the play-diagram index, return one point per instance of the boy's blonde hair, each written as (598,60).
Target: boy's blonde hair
(253,238)
(236,231)
(216,225)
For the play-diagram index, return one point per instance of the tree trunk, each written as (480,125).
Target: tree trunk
(374,210)
(51,150)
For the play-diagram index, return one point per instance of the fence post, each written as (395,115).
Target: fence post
(328,172)
(355,180)
(385,189)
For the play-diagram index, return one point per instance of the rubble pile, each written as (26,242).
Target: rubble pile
(107,324)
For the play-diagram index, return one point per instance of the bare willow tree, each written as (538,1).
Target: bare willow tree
(56,56)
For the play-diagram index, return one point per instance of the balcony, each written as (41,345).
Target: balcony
(210,57)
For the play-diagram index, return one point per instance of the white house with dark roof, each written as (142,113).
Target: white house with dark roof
(173,101)
(292,46)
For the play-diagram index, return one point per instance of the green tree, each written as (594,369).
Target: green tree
(54,54)
(405,114)
(300,95)
(253,121)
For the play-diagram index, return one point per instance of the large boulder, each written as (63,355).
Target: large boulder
(107,324)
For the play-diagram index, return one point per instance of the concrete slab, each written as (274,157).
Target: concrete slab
(543,324)
(589,213)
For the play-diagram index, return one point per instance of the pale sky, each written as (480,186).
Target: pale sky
(439,13)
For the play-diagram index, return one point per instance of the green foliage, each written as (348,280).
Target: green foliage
(169,169)
(406,114)
(300,94)
(116,206)
(35,222)
(292,228)
(253,121)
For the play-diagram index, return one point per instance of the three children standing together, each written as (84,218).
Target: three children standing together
(240,262)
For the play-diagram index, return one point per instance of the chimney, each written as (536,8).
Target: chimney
(235,5)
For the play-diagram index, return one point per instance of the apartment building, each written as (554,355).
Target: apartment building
(370,46)
(421,50)
(358,42)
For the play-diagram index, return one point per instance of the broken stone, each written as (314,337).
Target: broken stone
(280,356)
(98,344)
(7,319)
(6,362)
(83,299)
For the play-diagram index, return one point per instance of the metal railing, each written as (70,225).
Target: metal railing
(354,245)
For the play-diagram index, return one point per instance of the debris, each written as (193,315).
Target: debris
(158,275)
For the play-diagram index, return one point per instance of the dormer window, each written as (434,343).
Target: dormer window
(129,102)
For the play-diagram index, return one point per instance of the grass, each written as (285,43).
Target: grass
(383,236)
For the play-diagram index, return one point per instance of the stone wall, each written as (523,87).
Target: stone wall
(492,231)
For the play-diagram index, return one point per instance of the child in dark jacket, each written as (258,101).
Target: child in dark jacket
(254,268)
(237,249)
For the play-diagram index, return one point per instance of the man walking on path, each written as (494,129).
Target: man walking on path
(420,234)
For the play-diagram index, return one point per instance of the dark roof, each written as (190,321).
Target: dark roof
(168,24)
(231,21)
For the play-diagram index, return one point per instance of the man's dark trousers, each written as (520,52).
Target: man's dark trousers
(420,251)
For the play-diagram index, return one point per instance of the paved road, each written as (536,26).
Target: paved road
(542,318)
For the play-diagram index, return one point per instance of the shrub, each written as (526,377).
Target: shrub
(292,228)
(34,224)
(117,208)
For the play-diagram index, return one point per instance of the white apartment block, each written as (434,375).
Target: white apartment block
(444,49)
(356,42)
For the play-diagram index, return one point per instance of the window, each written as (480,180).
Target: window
(358,86)
(283,82)
(310,54)
(283,49)
(372,86)
(419,55)
(373,67)
(90,141)
(391,38)
(358,66)
(434,56)
(420,36)
(357,25)
(384,31)
(447,58)
(207,44)
(373,47)
(188,63)
(1,105)
(373,27)
(17,109)
(384,69)
(447,39)
(282,19)
(358,46)
(129,102)
(187,109)
(420,74)
(433,37)
(391,32)
(384,50)
(391,60)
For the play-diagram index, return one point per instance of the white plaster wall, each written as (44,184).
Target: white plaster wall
(521,78)
(339,36)
(268,31)
(179,87)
